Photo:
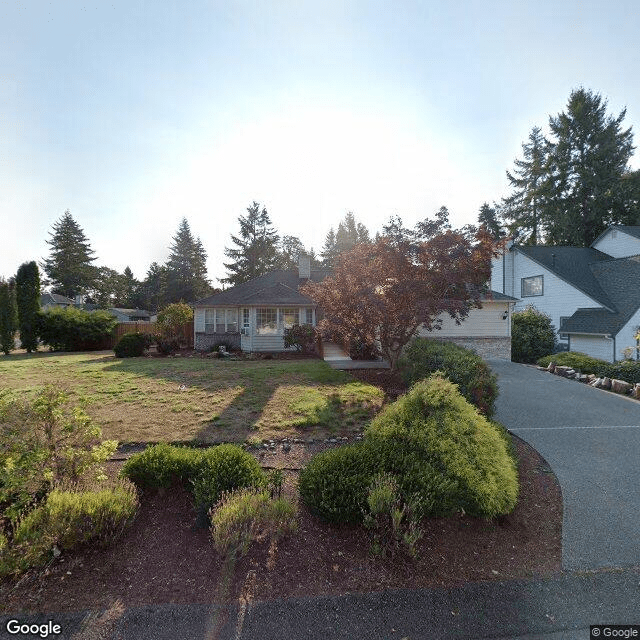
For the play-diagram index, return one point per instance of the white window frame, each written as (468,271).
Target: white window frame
(267,330)
(532,295)
(222,317)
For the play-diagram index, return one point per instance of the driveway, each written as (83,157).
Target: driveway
(591,439)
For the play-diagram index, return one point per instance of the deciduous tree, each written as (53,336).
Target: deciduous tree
(385,291)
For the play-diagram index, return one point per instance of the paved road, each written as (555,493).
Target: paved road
(591,439)
(554,609)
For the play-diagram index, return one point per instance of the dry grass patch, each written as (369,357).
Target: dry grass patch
(182,399)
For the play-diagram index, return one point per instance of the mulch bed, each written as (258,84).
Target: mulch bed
(163,558)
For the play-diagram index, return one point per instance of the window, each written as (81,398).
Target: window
(532,286)
(308,313)
(221,320)
(288,317)
(563,336)
(266,321)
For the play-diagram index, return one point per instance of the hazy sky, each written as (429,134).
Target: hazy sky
(134,114)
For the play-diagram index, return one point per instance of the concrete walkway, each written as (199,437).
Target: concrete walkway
(591,439)
(336,357)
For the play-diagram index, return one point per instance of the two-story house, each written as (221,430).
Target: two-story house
(591,293)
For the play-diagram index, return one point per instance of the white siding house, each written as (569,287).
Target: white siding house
(590,293)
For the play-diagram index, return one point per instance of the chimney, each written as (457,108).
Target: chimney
(304,266)
(79,300)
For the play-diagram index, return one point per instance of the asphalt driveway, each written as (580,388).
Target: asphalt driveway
(591,439)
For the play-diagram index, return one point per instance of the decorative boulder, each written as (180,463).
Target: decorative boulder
(636,391)
(597,383)
(620,386)
(552,367)
(606,383)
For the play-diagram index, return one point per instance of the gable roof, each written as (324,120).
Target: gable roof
(54,298)
(619,277)
(573,265)
(496,296)
(273,288)
(631,230)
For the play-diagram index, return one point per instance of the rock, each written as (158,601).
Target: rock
(286,447)
(552,367)
(565,372)
(606,383)
(592,377)
(636,391)
(332,440)
(620,386)
(56,551)
(542,368)
(597,383)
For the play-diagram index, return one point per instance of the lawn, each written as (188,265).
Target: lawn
(197,399)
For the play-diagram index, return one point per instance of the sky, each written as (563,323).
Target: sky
(135,114)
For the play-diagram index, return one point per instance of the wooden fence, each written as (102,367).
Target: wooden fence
(186,331)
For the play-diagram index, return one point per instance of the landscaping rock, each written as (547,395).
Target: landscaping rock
(620,386)
(592,377)
(562,371)
(636,391)
(606,383)
(597,383)
(552,367)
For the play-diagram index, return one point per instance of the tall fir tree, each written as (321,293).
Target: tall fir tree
(28,303)
(153,289)
(69,266)
(186,267)
(256,247)
(8,316)
(522,210)
(488,220)
(349,234)
(587,161)
(130,289)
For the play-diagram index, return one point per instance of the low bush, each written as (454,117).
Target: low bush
(70,516)
(627,370)
(444,456)
(167,346)
(132,345)
(463,367)
(72,329)
(250,515)
(334,484)
(162,465)
(532,335)
(224,468)
(303,337)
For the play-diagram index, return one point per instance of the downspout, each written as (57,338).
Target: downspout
(504,275)
(614,348)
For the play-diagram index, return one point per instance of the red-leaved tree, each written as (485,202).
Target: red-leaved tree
(384,291)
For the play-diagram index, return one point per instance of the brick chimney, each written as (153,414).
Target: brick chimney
(304,266)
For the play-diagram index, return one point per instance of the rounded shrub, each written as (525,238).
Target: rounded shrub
(224,468)
(464,367)
(131,345)
(444,453)
(335,483)
(162,465)
(532,335)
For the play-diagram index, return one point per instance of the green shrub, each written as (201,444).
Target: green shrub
(28,304)
(132,345)
(445,455)
(627,370)
(334,484)
(224,468)
(249,515)
(167,346)
(69,517)
(463,367)
(532,335)
(72,329)
(162,465)
(303,337)
(8,316)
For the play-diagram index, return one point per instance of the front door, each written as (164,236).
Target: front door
(245,332)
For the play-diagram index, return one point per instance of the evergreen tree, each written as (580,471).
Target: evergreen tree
(130,289)
(329,251)
(186,267)
(28,303)
(290,248)
(153,289)
(488,220)
(522,209)
(69,266)
(430,227)
(350,233)
(8,316)
(588,159)
(256,247)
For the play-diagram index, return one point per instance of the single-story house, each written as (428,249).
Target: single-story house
(252,316)
(130,315)
(51,300)
(590,293)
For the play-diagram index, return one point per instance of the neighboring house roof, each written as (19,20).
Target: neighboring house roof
(54,298)
(273,288)
(574,265)
(496,296)
(628,229)
(619,277)
(129,313)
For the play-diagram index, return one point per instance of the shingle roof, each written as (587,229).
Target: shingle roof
(55,298)
(628,229)
(573,264)
(274,288)
(498,297)
(619,277)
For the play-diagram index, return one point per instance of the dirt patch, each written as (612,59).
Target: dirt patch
(162,558)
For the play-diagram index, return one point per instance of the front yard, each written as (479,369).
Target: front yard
(197,399)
